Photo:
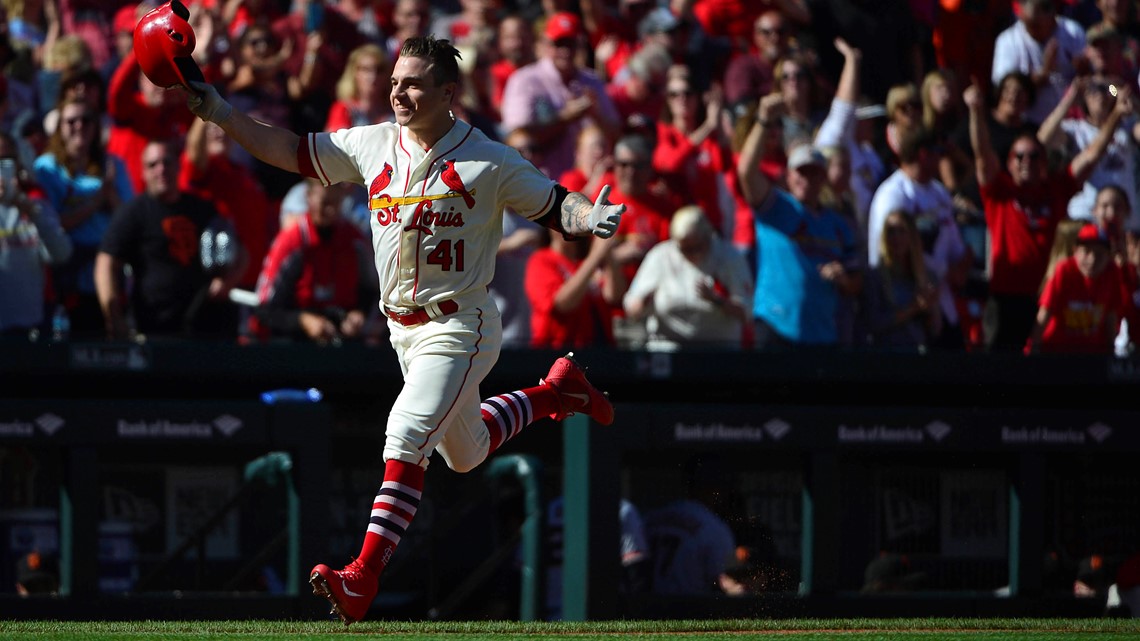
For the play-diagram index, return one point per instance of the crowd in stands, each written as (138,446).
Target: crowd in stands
(888,175)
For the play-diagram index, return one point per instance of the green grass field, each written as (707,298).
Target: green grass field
(736,630)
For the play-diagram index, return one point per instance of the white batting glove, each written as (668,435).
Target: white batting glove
(205,102)
(605,216)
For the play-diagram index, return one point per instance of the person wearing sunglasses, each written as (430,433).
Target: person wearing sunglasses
(85,184)
(753,74)
(1023,205)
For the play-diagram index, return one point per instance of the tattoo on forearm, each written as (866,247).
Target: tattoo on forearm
(576,213)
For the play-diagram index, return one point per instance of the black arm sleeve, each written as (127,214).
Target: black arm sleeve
(552,219)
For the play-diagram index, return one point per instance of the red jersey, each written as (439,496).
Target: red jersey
(307,271)
(695,169)
(636,113)
(500,70)
(645,215)
(627,41)
(588,324)
(1082,309)
(340,116)
(574,180)
(134,123)
(731,18)
(240,199)
(1022,222)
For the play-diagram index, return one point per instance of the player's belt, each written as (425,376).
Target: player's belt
(421,315)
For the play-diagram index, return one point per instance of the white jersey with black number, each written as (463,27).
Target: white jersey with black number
(436,214)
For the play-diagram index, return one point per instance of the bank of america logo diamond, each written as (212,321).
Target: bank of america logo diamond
(227,424)
(49,423)
(938,430)
(1099,432)
(777,428)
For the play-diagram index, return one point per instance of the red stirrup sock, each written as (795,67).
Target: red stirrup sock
(507,414)
(392,511)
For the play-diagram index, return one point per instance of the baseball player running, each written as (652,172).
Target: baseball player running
(437,188)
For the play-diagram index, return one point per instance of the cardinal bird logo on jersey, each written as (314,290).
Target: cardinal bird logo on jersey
(451,179)
(381,181)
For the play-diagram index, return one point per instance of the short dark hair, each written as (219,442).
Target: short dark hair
(443,55)
(1028,134)
(914,142)
(1021,78)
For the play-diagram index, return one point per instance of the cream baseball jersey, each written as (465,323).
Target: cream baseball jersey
(436,214)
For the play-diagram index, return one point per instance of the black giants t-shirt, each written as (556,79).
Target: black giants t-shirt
(161,242)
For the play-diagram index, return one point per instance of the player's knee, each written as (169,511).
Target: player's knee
(402,449)
(462,464)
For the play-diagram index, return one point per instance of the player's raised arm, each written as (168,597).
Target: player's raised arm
(269,144)
(581,217)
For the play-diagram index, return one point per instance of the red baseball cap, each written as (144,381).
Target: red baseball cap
(126,18)
(1090,234)
(563,25)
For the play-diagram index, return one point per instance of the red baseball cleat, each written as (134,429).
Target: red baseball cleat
(576,394)
(350,591)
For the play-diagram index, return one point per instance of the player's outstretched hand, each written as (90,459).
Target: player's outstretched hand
(605,216)
(204,101)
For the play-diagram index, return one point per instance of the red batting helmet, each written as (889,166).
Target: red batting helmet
(163,43)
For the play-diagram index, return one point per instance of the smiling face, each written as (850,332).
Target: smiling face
(770,35)
(1013,99)
(418,102)
(1027,163)
(1091,258)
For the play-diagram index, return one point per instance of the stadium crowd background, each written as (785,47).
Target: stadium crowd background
(655,98)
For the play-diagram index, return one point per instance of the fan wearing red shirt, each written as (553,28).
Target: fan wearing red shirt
(637,90)
(691,152)
(573,287)
(1022,210)
(208,173)
(1111,213)
(734,19)
(318,280)
(515,49)
(614,35)
(1082,304)
(140,112)
(649,205)
(593,161)
(238,16)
